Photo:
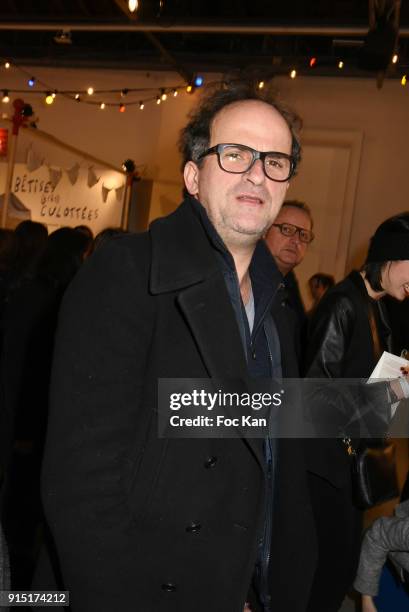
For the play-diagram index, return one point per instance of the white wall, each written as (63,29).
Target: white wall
(149,136)
(383,116)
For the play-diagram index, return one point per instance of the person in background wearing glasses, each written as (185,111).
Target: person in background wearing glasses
(288,239)
(146,523)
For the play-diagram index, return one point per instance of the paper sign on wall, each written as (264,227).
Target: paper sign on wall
(64,203)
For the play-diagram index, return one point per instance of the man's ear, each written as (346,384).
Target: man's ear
(191,177)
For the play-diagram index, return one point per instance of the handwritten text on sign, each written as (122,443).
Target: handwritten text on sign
(66,204)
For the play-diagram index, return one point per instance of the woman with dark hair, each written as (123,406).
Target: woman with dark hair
(347,335)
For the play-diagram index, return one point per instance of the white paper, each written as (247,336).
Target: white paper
(389,366)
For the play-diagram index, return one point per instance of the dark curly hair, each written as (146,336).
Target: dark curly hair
(195,136)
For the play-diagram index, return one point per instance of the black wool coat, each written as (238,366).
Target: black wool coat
(149,524)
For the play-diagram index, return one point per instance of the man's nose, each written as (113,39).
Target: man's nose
(256,173)
(295,239)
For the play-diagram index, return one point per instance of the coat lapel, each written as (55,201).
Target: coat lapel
(211,318)
(183,261)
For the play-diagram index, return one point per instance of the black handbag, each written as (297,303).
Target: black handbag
(374,476)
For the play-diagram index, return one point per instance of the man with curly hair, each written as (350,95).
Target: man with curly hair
(153,524)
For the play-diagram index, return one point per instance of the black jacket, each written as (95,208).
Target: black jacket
(340,345)
(140,522)
(340,338)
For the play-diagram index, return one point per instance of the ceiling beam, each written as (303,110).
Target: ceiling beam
(276,30)
(186,76)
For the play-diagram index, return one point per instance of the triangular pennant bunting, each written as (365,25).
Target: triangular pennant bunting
(33,160)
(119,191)
(73,173)
(92,177)
(55,176)
(105,192)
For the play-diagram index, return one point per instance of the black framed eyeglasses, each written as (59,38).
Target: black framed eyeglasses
(237,159)
(288,229)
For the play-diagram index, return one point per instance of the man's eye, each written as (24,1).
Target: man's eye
(274,162)
(288,230)
(234,156)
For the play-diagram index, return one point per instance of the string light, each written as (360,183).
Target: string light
(395,58)
(31,82)
(403,80)
(160,95)
(133,5)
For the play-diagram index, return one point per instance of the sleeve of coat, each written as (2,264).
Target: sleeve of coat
(358,409)
(385,535)
(328,336)
(101,350)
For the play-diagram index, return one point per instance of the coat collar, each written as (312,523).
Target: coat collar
(358,284)
(184,260)
(181,256)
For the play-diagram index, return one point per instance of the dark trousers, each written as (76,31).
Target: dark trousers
(339,529)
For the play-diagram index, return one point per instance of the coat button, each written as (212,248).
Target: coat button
(210,462)
(169,587)
(193,527)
